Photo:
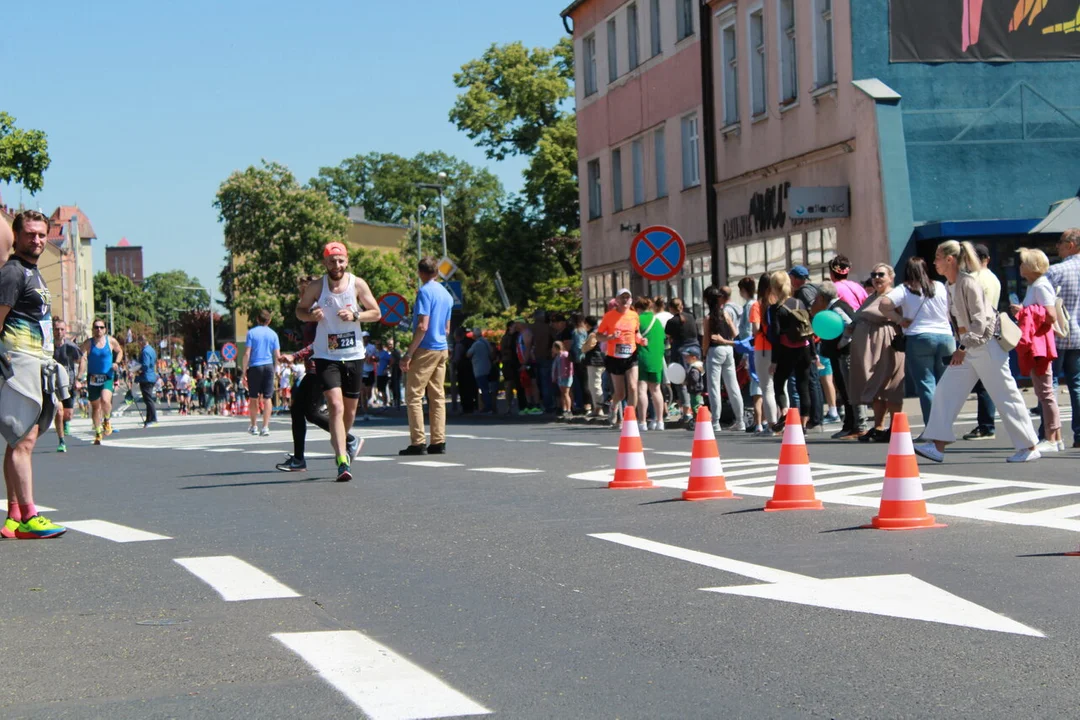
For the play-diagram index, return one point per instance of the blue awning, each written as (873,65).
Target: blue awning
(974,228)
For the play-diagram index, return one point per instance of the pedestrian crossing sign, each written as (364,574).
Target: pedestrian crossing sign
(212,358)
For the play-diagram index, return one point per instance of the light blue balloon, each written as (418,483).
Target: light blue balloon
(828,325)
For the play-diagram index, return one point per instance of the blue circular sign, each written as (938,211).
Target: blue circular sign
(657,253)
(395,309)
(229,352)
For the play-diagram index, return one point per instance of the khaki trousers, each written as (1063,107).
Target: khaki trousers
(427,372)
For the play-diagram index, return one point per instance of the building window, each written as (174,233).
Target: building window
(825,66)
(789,53)
(637,157)
(730,52)
(691,172)
(599,288)
(654,26)
(660,161)
(595,206)
(616,179)
(612,51)
(758,84)
(783,252)
(589,64)
(632,39)
(684,18)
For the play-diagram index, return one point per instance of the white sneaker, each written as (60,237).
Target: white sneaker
(1047,446)
(643,426)
(1024,455)
(659,426)
(930,452)
(651,425)
(716,427)
(741,427)
(265,432)
(253,430)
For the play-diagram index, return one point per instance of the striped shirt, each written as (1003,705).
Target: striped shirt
(1065,278)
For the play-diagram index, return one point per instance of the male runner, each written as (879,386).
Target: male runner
(101,358)
(67,354)
(26,341)
(335,304)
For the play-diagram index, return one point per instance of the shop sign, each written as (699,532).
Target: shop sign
(808,203)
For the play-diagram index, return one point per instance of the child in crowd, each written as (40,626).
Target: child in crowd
(562,375)
(695,383)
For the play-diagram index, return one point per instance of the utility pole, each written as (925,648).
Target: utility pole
(109,302)
(442,215)
(419,227)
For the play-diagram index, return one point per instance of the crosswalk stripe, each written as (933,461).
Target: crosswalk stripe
(576,444)
(1012,498)
(41,508)
(371,458)
(505,470)
(112,531)
(432,464)
(235,579)
(383,684)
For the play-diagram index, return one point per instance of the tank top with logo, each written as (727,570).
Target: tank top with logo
(337,339)
(99,363)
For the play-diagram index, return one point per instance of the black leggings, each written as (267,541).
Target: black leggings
(793,361)
(307,406)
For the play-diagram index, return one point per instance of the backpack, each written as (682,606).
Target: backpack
(695,384)
(794,321)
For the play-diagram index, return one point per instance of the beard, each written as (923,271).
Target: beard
(336,274)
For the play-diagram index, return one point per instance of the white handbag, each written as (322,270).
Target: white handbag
(1008,332)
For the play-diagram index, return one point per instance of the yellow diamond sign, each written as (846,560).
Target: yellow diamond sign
(447,268)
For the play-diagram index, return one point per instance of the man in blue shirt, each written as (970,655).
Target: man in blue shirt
(425,361)
(260,358)
(147,379)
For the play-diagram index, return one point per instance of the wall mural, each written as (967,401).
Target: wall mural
(984,30)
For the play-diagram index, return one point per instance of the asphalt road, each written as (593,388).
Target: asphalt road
(475,582)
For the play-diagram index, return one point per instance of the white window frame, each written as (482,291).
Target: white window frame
(612,50)
(729,58)
(660,161)
(691,150)
(655,38)
(759,96)
(596,197)
(788,52)
(616,180)
(637,164)
(824,44)
(588,64)
(633,36)
(684,19)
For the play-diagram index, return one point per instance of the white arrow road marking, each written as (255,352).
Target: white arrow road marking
(380,682)
(902,596)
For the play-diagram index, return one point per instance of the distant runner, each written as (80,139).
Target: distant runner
(100,361)
(68,354)
(335,304)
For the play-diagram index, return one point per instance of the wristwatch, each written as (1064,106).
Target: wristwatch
(355,316)
(961,348)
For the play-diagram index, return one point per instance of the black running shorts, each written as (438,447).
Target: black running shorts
(619,366)
(260,380)
(345,374)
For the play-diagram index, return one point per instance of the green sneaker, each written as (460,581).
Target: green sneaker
(10,526)
(61,447)
(38,528)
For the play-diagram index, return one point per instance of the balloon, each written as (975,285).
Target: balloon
(828,325)
(676,374)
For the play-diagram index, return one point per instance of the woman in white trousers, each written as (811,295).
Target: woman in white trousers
(978,356)
(719,334)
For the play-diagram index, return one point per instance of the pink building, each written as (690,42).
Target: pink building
(793,133)
(641,156)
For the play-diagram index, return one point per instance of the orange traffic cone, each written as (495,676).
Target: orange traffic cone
(706,472)
(794,489)
(902,504)
(630,471)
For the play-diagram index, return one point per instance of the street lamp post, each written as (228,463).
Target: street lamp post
(442,216)
(419,248)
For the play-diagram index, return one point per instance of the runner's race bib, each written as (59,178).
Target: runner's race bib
(98,379)
(341,341)
(623,350)
(46,335)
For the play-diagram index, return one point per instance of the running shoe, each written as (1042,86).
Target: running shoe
(106,427)
(1023,456)
(10,526)
(352,447)
(292,464)
(980,434)
(265,432)
(253,430)
(832,419)
(38,528)
(343,473)
(61,448)
(97,438)
(1047,446)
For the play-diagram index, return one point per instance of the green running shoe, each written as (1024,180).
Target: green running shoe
(38,528)
(67,427)
(10,526)
(61,447)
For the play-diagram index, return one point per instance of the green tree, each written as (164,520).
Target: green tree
(168,299)
(24,155)
(513,103)
(130,304)
(276,229)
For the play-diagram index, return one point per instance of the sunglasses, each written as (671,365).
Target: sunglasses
(99,327)
(876,275)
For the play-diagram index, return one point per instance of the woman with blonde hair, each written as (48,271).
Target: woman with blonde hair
(789,334)
(1038,349)
(877,366)
(978,356)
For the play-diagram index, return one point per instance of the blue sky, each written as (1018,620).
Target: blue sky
(149,106)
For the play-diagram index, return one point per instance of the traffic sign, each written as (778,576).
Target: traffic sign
(395,309)
(447,268)
(657,253)
(212,358)
(456,292)
(229,351)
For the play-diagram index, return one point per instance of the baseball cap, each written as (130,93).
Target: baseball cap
(800,272)
(624,291)
(334,248)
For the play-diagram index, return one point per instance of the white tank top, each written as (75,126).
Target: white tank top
(337,339)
